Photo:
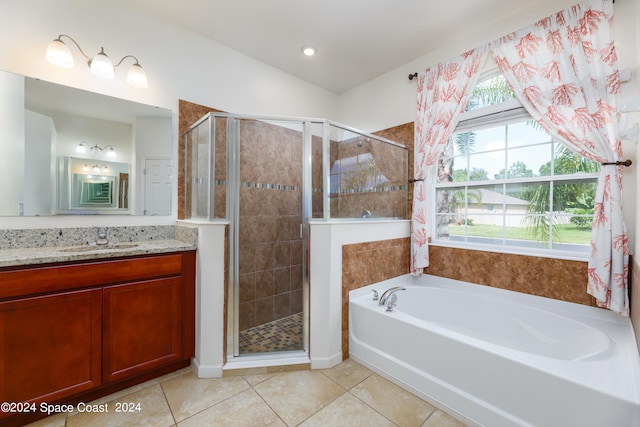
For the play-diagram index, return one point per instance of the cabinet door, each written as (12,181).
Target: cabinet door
(142,326)
(51,346)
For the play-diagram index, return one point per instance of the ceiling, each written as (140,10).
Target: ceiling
(357,40)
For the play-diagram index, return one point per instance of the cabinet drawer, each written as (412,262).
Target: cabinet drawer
(35,280)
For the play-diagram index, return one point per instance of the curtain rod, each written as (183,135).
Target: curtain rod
(626,163)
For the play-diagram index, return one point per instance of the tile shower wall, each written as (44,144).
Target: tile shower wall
(359,186)
(188,114)
(403,134)
(271,250)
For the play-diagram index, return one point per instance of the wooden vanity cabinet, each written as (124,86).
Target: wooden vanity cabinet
(83,329)
(141,328)
(51,346)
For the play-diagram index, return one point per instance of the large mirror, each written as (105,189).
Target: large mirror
(54,138)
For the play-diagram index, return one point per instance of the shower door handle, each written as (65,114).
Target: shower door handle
(301,231)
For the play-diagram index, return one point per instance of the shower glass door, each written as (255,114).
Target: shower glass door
(268,229)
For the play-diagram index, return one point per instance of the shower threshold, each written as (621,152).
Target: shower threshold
(269,362)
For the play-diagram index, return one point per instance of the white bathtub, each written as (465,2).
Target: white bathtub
(499,358)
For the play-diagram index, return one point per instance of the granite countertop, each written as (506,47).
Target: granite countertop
(35,246)
(50,254)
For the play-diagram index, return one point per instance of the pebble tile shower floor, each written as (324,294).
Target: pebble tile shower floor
(345,395)
(279,335)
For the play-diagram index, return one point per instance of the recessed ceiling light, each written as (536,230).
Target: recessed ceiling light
(309,50)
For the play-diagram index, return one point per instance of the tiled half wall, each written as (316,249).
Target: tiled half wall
(371,262)
(367,263)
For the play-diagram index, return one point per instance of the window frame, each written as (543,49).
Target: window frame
(508,112)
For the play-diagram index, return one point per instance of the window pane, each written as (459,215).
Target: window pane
(552,213)
(527,161)
(489,139)
(572,229)
(460,171)
(526,133)
(567,162)
(490,92)
(574,196)
(485,166)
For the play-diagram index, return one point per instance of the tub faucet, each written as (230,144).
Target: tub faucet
(388,293)
(391,302)
(102,236)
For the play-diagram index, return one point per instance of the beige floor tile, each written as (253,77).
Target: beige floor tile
(395,403)
(154,412)
(188,395)
(347,410)
(174,374)
(348,373)
(244,409)
(57,420)
(257,378)
(295,396)
(121,395)
(440,419)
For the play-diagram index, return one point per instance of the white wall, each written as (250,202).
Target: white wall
(183,65)
(390,99)
(179,65)
(152,141)
(12,133)
(39,169)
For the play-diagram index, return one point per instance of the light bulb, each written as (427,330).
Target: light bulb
(102,66)
(309,50)
(111,153)
(59,54)
(136,76)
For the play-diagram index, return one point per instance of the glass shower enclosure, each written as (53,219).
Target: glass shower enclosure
(269,177)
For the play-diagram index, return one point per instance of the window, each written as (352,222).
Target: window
(502,180)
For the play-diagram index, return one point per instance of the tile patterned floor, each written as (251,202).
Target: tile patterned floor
(346,395)
(280,335)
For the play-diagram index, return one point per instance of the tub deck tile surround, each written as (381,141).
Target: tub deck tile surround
(345,395)
(367,263)
(560,279)
(372,262)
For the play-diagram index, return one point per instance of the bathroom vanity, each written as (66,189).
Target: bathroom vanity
(101,321)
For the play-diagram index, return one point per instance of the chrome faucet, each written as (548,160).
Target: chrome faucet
(391,302)
(388,293)
(102,236)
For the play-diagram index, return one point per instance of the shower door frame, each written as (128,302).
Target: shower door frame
(233,216)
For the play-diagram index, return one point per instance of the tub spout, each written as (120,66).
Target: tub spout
(388,293)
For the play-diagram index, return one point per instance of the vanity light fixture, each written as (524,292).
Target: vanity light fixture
(59,54)
(98,169)
(83,146)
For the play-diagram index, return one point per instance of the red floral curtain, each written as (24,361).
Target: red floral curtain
(564,71)
(443,93)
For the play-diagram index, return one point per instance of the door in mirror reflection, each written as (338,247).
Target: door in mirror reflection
(157,186)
